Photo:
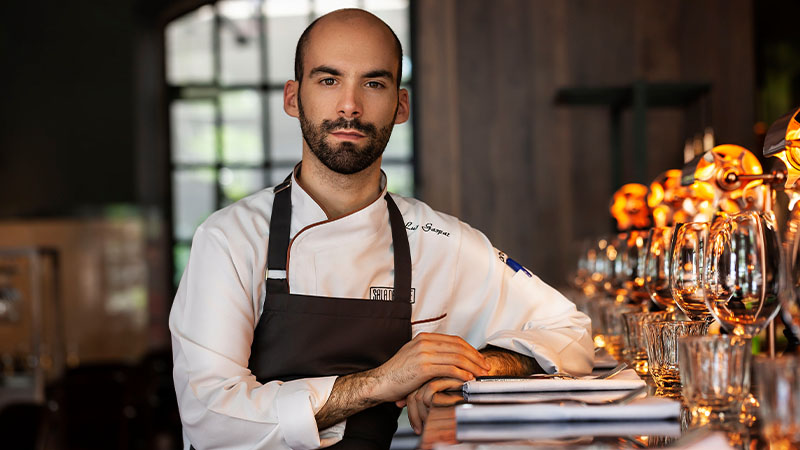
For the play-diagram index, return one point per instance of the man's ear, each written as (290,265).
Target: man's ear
(402,107)
(290,92)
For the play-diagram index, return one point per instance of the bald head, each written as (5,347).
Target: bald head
(371,25)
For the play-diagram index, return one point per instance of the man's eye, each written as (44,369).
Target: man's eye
(328,81)
(374,84)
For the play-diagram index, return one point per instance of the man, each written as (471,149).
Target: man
(309,312)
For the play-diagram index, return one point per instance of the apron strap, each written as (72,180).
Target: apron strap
(279,231)
(279,227)
(402,253)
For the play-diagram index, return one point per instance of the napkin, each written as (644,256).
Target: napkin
(538,397)
(563,430)
(626,380)
(650,408)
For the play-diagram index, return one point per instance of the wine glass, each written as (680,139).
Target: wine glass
(600,268)
(581,278)
(745,275)
(616,271)
(790,300)
(687,267)
(634,261)
(656,267)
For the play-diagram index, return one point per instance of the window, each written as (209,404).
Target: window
(226,66)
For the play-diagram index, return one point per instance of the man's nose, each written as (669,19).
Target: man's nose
(350,103)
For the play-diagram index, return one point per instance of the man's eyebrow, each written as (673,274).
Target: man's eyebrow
(326,70)
(379,74)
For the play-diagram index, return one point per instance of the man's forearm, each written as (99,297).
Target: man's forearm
(506,362)
(350,394)
(427,356)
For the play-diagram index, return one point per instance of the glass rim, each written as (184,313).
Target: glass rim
(778,361)
(714,337)
(661,322)
(647,313)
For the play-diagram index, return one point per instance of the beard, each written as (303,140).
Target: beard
(345,158)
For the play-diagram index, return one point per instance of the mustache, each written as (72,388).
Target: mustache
(349,124)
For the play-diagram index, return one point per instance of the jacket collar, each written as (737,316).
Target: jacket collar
(307,213)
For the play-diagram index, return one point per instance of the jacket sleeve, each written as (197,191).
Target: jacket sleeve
(515,310)
(221,404)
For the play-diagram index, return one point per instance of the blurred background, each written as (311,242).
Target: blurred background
(124,123)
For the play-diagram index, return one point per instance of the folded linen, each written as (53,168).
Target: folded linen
(626,380)
(650,408)
(555,396)
(565,430)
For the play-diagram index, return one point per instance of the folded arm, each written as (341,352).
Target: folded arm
(506,362)
(501,362)
(426,357)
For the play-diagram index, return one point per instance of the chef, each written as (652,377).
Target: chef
(311,312)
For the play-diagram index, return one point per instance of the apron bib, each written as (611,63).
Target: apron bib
(304,336)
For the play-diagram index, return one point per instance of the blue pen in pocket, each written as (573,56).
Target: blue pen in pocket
(517,267)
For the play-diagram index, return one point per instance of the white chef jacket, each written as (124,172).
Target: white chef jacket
(461,286)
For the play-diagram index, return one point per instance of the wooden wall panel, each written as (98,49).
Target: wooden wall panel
(657,58)
(496,150)
(476,113)
(511,137)
(436,105)
(717,45)
(552,160)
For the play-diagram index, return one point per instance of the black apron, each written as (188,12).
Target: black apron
(303,336)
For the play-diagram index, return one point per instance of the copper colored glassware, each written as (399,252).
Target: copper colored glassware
(746,274)
(615,327)
(687,268)
(778,382)
(715,375)
(635,344)
(656,267)
(662,349)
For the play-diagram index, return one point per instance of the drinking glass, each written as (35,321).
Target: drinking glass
(778,382)
(745,275)
(603,270)
(582,278)
(790,300)
(687,268)
(595,308)
(656,267)
(615,327)
(633,282)
(635,345)
(617,271)
(715,374)
(662,349)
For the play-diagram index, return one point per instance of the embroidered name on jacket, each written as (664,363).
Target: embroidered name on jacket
(428,228)
(385,294)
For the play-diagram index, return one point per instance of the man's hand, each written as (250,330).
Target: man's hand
(427,356)
(502,362)
(420,401)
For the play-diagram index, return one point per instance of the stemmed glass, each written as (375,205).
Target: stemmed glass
(746,273)
(790,300)
(618,268)
(636,253)
(601,272)
(687,268)
(656,267)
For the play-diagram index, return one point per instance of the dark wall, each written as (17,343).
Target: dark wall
(66,128)
(777,58)
(536,177)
